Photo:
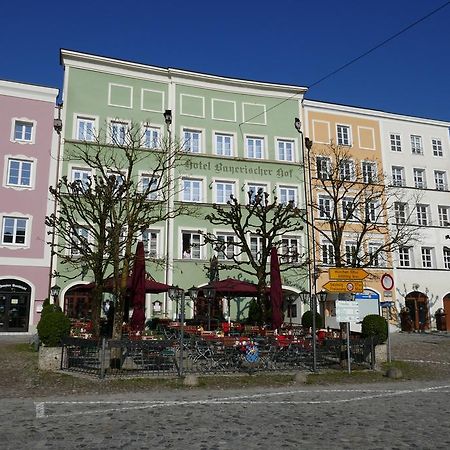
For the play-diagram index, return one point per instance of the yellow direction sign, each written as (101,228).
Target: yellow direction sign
(347,273)
(344,286)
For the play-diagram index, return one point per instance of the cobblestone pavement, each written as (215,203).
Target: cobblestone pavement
(391,416)
(396,415)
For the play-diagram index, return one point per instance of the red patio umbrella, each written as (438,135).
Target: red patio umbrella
(151,286)
(138,289)
(233,288)
(276,292)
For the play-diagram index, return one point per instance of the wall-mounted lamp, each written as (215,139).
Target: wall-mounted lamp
(210,185)
(243,187)
(298,124)
(168,116)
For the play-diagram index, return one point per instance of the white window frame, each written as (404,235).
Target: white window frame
(192,136)
(192,197)
(398,176)
(400,212)
(254,139)
(420,180)
(21,161)
(379,260)
(151,136)
(405,257)
(323,167)
(82,174)
(436,145)
(152,244)
(327,255)
(372,210)
(416,144)
(24,121)
(427,257)
(422,213)
(283,152)
(89,135)
(75,236)
(222,136)
(227,252)
(346,215)
(325,205)
(440,180)
(112,123)
(223,189)
(446,257)
(15,228)
(286,194)
(351,255)
(256,243)
(369,171)
(255,186)
(290,249)
(147,178)
(395,142)
(344,135)
(194,247)
(444,215)
(347,170)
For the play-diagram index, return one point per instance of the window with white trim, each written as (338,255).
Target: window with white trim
(225,250)
(118,131)
(440,180)
(254,147)
(79,241)
(119,179)
(404,257)
(419,178)
(325,207)
(150,184)
(224,144)
(400,212)
(398,176)
(291,310)
(150,238)
(289,250)
(372,211)
(323,167)
(192,141)
(422,214)
(256,246)
(85,129)
(351,255)
(191,248)
(437,147)
(151,137)
(288,195)
(346,170)
(349,209)
(82,176)
(376,256)
(446,256)
(19,173)
(14,230)
(23,131)
(396,143)
(192,190)
(327,250)
(224,191)
(416,144)
(285,150)
(343,135)
(444,216)
(369,171)
(255,189)
(427,257)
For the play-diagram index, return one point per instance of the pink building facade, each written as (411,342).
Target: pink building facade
(28,164)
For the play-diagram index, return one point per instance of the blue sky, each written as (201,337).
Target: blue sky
(285,41)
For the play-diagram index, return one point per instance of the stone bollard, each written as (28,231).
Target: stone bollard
(394,373)
(49,358)
(190,380)
(300,378)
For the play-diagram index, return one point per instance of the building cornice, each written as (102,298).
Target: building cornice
(28,91)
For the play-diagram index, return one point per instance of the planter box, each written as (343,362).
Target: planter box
(50,358)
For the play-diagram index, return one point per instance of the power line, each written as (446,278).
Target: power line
(353,60)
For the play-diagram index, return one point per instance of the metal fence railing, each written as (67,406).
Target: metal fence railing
(194,354)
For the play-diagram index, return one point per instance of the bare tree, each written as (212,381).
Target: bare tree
(360,215)
(256,227)
(109,206)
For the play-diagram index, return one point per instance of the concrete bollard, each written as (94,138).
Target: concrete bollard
(190,380)
(300,378)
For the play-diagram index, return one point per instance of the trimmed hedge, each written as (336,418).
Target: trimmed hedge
(53,325)
(307,319)
(376,326)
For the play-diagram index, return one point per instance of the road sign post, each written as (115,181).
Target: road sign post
(344,286)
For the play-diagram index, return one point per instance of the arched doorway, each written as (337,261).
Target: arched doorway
(15,297)
(417,306)
(78,303)
(447,310)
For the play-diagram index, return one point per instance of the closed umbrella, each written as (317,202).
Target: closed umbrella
(138,289)
(276,292)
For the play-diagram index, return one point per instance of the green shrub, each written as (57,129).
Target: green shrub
(307,319)
(53,325)
(376,326)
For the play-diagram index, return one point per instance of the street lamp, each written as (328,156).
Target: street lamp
(54,292)
(176,293)
(210,294)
